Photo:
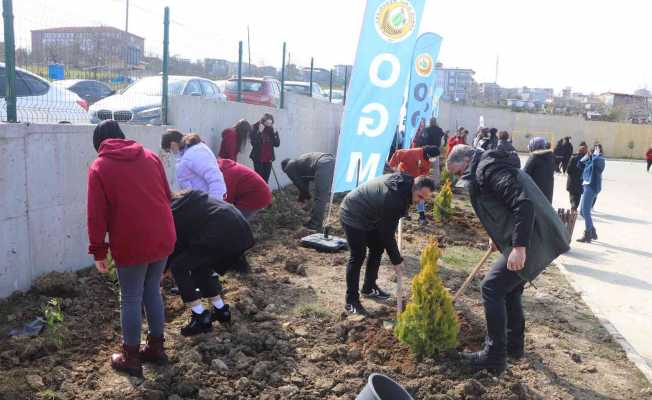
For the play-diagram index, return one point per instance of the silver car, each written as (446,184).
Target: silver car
(140,103)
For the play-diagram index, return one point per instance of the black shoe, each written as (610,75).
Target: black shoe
(199,323)
(375,293)
(594,234)
(485,359)
(356,308)
(586,238)
(223,315)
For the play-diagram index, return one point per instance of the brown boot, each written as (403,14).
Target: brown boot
(128,360)
(154,352)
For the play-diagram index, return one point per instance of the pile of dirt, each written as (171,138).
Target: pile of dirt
(290,339)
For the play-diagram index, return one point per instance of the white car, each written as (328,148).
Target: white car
(303,88)
(37,100)
(140,103)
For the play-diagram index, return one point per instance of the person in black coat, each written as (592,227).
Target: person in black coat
(369,215)
(505,143)
(575,171)
(541,166)
(566,153)
(430,136)
(212,236)
(264,138)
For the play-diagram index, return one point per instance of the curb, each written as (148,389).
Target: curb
(631,352)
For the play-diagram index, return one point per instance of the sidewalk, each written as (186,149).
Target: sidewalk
(614,274)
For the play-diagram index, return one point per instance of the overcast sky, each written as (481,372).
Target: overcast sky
(592,46)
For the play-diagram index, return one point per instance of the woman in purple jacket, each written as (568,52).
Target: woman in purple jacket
(197,167)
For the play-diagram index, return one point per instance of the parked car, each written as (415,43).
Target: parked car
(261,91)
(40,101)
(338,96)
(140,103)
(303,88)
(88,89)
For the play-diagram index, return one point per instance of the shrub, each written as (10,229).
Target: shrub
(54,320)
(443,202)
(429,323)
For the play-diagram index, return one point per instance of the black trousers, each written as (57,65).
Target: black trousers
(264,169)
(575,200)
(359,241)
(649,164)
(503,309)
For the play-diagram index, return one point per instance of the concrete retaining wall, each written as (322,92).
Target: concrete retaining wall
(615,137)
(43,198)
(43,176)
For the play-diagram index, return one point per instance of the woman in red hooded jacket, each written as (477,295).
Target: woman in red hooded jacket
(234,139)
(129,198)
(245,189)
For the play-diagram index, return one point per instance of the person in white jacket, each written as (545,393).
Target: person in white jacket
(197,167)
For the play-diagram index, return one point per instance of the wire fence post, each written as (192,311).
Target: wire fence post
(10,61)
(346,83)
(240,71)
(283,78)
(166,61)
(330,90)
(312,67)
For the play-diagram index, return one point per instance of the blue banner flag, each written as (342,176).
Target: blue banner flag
(422,83)
(375,95)
(435,101)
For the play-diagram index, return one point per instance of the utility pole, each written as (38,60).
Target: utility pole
(249,50)
(496,77)
(127,18)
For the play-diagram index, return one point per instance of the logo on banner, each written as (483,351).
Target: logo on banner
(395,20)
(424,64)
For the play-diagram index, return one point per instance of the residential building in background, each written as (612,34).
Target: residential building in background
(628,107)
(87,47)
(458,83)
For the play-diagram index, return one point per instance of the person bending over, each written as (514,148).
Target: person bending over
(415,162)
(526,230)
(312,167)
(212,236)
(369,215)
(197,167)
(245,189)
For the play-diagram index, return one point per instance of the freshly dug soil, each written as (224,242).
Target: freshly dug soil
(290,340)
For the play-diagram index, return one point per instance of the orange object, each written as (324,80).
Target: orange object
(410,161)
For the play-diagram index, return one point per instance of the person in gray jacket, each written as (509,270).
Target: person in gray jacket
(526,230)
(317,167)
(369,215)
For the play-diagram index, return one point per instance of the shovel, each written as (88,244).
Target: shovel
(472,274)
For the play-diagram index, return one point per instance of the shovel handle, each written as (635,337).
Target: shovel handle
(399,295)
(472,274)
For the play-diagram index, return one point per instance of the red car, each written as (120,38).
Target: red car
(261,91)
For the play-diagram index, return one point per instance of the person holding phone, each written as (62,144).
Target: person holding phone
(264,138)
(594,165)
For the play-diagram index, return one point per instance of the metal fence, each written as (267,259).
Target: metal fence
(90,72)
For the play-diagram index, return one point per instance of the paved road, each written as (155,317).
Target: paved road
(614,274)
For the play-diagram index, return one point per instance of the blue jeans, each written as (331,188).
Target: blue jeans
(141,284)
(586,203)
(421,206)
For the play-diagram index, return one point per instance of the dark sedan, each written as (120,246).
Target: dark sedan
(90,90)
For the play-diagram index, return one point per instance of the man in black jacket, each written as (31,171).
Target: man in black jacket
(508,204)
(574,171)
(369,215)
(212,235)
(541,166)
(317,167)
(430,136)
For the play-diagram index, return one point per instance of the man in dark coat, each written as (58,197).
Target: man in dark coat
(504,142)
(566,153)
(369,215)
(541,166)
(574,172)
(526,230)
(212,235)
(430,136)
(316,167)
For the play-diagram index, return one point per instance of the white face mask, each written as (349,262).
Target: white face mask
(596,152)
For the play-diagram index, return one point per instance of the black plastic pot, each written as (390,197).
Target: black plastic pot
(380,387)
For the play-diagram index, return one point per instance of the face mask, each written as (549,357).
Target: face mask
(596,152)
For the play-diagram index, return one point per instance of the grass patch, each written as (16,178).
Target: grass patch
(463,258)
(312,311)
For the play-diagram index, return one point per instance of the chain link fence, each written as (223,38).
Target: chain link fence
(72,69)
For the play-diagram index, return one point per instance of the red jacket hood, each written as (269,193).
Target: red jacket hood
(225,163)
(121,149)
